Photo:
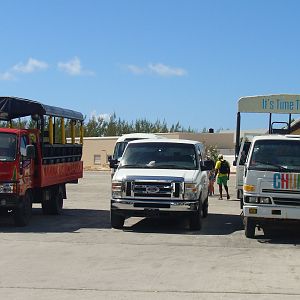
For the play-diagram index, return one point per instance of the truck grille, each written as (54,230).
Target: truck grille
(287,201)
(144,189)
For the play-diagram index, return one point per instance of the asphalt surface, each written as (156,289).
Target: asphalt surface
(78,256)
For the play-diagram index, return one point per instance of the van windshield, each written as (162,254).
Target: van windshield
(160,156)
(8,146)
(276,155)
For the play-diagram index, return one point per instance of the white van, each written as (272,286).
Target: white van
(272,182)
(163,177)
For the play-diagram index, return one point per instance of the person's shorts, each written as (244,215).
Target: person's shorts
(222,180)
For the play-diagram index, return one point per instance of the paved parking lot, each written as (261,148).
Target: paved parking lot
(78,256)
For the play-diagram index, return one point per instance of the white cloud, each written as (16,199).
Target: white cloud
(135,69)
(31,66)
(6,76)
(73,67)
(104,117)
(156,69)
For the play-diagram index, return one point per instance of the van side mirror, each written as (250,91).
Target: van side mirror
(30,152)
(113,163)
(208,165)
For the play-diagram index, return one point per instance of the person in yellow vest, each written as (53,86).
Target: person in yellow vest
(222,172)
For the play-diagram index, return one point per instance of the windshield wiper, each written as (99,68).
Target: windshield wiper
(133,166)
(281,168)
(169,166)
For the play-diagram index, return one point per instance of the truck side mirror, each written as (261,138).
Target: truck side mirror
(30,152)
(234,163)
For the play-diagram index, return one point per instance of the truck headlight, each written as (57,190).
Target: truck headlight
(256,200)
(265,200)
(252,199)
(190,191)
(116,189)
(8,188)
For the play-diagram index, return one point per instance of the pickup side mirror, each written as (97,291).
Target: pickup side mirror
(208,165)
(30,152)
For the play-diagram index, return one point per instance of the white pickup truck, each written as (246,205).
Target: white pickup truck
(272,182)
(159,177)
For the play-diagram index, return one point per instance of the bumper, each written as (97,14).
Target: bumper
(272,212)
(8,201)
(146,208)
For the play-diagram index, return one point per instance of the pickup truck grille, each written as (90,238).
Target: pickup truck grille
(148,189)
(286,201)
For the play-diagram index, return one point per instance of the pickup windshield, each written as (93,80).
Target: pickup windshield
(160,156)
(8,146)
(276,155)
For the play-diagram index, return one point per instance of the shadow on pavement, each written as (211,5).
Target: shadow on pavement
(214,224)
(70,221)
(286,234)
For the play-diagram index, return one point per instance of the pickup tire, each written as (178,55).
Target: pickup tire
(249,227)
(205,208)
(22,214)
(196,218)
(116,220)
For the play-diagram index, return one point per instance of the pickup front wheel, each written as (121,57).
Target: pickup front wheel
(116,220)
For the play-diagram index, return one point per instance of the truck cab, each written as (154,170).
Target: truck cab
(272,182)
(36,165)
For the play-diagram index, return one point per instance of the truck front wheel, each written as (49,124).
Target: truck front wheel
(116,220)
(249,227)
(23,212)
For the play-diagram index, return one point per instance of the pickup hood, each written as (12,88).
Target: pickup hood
(187,175)
(7,171)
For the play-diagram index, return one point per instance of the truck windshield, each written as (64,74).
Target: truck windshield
(276,155)
(8,147)
(160,156)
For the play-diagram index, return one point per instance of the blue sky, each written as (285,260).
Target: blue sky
(187,61)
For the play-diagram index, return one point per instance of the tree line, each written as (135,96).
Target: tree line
(112,126)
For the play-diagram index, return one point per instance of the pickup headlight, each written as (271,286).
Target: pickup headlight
(8,188)
(116,189)
(190,191)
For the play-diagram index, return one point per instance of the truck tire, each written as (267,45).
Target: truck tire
(116,220)
(196,218)
(22,214)
(53,206)
(249,227)
(205,208)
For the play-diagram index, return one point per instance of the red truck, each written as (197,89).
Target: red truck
(36,164)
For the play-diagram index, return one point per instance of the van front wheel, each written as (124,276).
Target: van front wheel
(249,227)
(116,220)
